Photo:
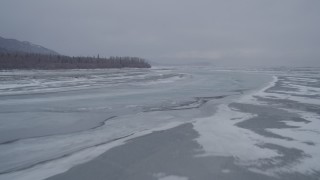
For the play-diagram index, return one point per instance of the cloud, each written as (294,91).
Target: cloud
(198,55)
(230,31)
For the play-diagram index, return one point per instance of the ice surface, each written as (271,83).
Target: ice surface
(220,135)
(306,137)
(52,121)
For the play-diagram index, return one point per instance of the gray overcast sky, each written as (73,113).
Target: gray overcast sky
(224,32)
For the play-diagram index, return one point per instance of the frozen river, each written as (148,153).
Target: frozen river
(266,120)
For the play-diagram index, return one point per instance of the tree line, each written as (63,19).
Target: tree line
(41,61)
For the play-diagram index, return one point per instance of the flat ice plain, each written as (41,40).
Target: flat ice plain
(163,123)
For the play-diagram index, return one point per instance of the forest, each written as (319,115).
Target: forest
(42,61)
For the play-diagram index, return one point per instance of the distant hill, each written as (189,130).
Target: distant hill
(16,54)
(13,46)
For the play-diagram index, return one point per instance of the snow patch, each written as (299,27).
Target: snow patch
(220,137)
(306,138)
(163,176)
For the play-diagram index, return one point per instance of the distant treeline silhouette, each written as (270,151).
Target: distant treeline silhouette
(41,61)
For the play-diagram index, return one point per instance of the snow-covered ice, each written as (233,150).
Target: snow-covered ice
(52,121)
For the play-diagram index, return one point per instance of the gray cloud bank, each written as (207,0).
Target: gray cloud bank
(223,32)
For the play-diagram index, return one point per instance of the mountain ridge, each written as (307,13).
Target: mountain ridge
(15,46)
